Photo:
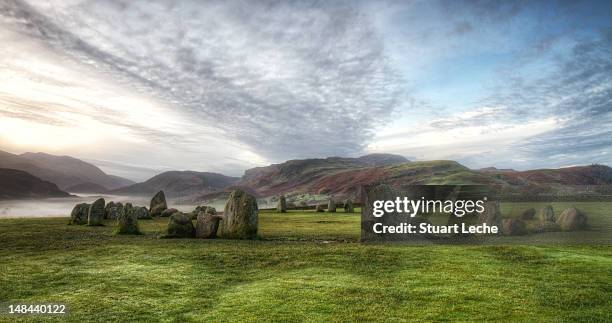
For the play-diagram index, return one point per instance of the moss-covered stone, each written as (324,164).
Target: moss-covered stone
(180,226)
(79,214)
(572,219)
(168,212)
(96,213)
(142,213)
(207,225)
(240,217)
(127,221)
(158,204)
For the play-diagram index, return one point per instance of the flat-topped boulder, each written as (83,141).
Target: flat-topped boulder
(180,226)
(158,204)
(79,214)
(168,212)
(320,208)
(572,219)
(96,213)
(127,221)
(514,227)
(240,216)
(207,225)
(142,213)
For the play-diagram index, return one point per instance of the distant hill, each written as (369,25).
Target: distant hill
(18,184)
(64,171)
(87,188)
(180,184)
(577,175)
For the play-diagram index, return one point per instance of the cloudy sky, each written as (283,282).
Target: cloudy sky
(138,87)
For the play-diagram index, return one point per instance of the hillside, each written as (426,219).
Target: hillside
(300,174)
(19,184)
(180,184)
(64,171)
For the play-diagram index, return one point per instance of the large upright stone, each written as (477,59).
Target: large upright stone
(107,209)
(491,215)
(331,205)
(572,219)
(180,226)
(240,217)
(127,222)
(114,211)
(207,225)
(96,213)
(79,214)
(547,214)
(348,206)
(282,204)
(158,204)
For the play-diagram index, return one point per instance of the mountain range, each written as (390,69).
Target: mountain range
(17,184)
(65,171)
(304,179)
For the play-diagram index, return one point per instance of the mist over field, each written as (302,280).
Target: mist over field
(61,207)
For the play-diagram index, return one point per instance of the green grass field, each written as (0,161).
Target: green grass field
(306,267)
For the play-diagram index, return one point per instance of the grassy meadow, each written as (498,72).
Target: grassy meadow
(306,266)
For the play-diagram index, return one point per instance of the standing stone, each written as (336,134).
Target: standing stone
(142,213)
(282,204)
(158,204)
(331,205)
(207,225)
(127,222)
(348,206)
(514,227)
(528,214)
(572,219)
(180,226)
(115,210)
(96,213)
(168,212)
(320,208)
(240,217)
(107,209)
(547,214)
(79,214)
(491,215)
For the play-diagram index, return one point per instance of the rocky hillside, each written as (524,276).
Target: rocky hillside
(18,184)
(64,171)
(342,177)
(180,184)
(300,174)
